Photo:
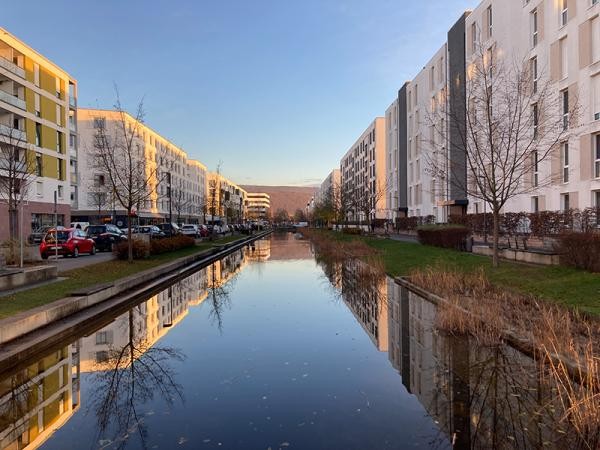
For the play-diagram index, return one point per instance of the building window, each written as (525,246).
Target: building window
(61,192)
(565,162)
(564,201)
(99,123)
(101,356)
(534,74)
(489,21)
(565,108)
(535,204)
(596,98)
(536,169)
(597,156)
(595,39)
(473,37)
(38,134)
(564,12)
(534,113)
(59,142)
(38,164)
(59,169)
(101,338)
(39,188)
(534,28)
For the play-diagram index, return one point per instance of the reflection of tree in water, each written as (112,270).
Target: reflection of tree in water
(131,376)
(221,281)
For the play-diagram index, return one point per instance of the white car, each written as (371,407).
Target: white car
(190,230)
(225,229)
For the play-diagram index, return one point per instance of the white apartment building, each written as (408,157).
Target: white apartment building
(426,94)
(178,196)
(363,173)
(328,187)
(560,40)
(258,205)
(391,159)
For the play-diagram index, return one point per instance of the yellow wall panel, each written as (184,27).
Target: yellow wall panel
(47,81)
(29,76)
(30,130)
(48,108)
(49,167)
(48,138)
(30,100)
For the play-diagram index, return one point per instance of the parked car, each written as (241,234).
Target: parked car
(225,228)
(38,235)
(105,236)
(152,230)
(170,229)
(67,242)
(190,230)
(80,225)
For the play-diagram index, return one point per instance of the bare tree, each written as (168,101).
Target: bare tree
(515,121)
(119,153)
(99,195)
(181,203)
(214,194)
(363,201)
(18,168)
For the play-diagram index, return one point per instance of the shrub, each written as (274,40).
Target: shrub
(447,236)
(580,250)
(354,231)
(158,246)
(140,250)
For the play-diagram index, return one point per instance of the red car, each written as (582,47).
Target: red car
(70,242)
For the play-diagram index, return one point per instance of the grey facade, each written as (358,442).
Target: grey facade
(457,170)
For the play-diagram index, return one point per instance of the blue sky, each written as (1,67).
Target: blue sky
(275,89)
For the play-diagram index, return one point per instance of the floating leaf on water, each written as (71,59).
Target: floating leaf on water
(206,441)
(182,440)
(284,444)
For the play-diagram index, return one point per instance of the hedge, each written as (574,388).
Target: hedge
(445,236)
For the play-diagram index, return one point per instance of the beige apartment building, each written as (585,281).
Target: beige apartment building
(258,205)
(226,201)
(560,41)
(391,159)
(38,102)
(179,195)
(363,174)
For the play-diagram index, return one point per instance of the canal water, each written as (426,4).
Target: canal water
(271,348)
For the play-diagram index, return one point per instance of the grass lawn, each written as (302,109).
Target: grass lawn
(571,287)
(95,274)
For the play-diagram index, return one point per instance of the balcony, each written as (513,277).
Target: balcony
(11,67)
(74,177)
(72,101)
(12,100)
(13,133)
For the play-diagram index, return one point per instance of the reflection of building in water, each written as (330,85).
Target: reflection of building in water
(220,272)
(151,320)
(259,250)
(480,396)
(364,291)
(39,399)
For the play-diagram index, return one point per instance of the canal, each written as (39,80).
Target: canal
(273,348)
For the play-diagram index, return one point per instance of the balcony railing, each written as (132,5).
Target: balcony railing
(13,133)
(72,101)
(74,178)
(12,100)
(12,67)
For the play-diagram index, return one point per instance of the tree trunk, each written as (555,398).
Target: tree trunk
(129,240)
(495,257)
(13,223)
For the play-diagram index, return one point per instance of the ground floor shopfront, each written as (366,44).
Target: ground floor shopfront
(34,215)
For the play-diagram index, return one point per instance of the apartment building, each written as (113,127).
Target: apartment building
(258,205)
(392,155)
(363,174)
(328,190)
(560,41)
(225,200)
(177,184)
(38,117)
(426,137)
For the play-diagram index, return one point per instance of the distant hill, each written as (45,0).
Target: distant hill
(289,198)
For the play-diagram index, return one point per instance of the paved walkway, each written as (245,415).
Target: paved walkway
(66,264)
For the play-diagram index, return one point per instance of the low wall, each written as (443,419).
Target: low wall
(545,259)
(33,319)
(16,278)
